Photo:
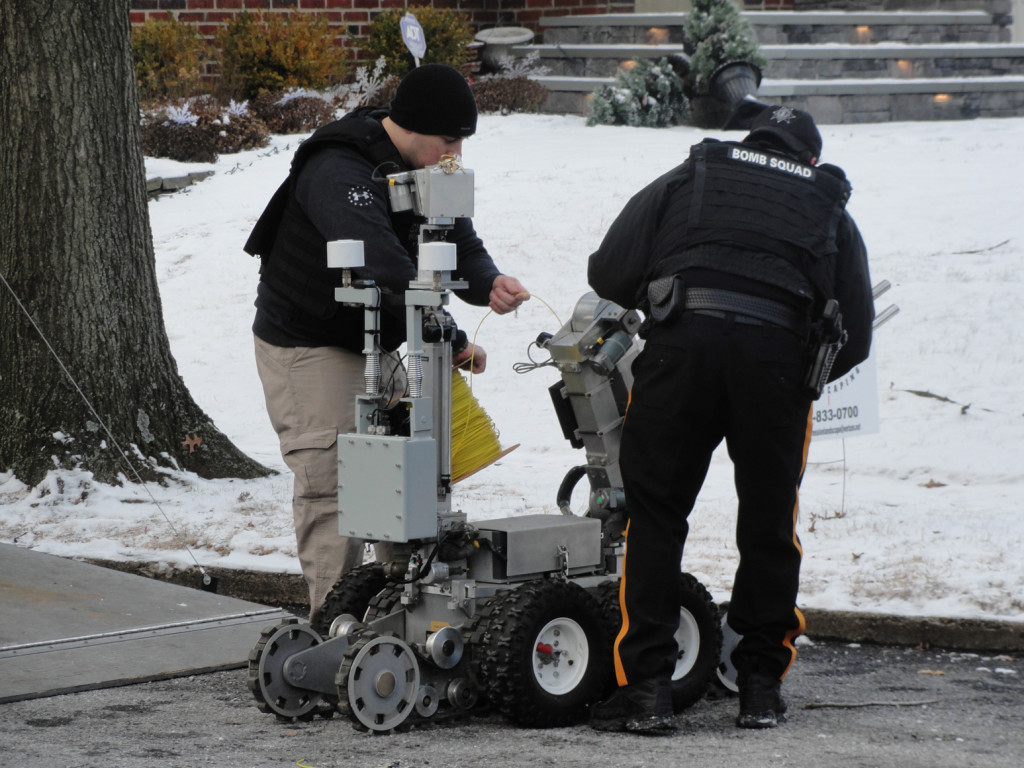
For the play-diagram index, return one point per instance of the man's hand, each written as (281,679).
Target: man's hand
(507,293)
(473,356)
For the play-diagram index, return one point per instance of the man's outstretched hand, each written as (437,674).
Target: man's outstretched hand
(507,293)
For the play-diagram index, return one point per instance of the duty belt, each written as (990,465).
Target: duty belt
(745,306)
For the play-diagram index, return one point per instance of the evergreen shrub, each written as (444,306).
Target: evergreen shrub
(716,35)
(649,94)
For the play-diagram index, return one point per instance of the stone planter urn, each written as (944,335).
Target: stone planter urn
(498,42)
(731,86)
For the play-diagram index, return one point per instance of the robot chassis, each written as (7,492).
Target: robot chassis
(518,614)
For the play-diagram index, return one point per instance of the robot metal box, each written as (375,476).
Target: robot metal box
(383,487)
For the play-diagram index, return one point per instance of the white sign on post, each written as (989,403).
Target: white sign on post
(412,35)
(849,405)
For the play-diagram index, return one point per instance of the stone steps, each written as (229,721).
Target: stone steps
(808,62)
(875,27)
(894,60)
(883,100)
(844,67)
(782,27)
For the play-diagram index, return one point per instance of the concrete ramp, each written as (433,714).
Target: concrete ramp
(68,626)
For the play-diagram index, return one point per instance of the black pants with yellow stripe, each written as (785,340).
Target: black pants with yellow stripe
(701,379)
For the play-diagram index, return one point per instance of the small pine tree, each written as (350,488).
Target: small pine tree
(649,94)
(716,34)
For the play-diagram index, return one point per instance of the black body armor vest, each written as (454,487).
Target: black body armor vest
(749,199)
(293,253)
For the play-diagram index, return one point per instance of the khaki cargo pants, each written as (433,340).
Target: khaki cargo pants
(310,394)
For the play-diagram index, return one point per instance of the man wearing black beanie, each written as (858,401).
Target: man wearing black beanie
(436,101)
(308,347)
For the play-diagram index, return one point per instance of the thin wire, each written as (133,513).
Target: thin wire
(469,365)
(533,365)
(476,439)
(121,452)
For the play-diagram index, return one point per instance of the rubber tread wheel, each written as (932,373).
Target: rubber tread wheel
(700,643)
(699,637)
(351,594)
(543,654)
(383,603)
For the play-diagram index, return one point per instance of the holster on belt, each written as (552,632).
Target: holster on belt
(827,337)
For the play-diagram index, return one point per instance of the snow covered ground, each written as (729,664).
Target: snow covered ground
(924,517)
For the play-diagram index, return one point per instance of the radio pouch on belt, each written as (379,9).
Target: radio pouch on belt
(666,297)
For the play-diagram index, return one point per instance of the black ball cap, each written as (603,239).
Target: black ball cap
(794,128)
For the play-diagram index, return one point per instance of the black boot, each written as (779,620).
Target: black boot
(641,708)
(761,703)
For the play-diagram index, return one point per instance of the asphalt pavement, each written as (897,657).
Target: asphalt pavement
(850,705)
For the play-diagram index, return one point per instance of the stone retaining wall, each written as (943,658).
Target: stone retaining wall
(159,185)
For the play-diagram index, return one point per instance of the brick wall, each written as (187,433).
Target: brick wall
(996,7)
(352,17)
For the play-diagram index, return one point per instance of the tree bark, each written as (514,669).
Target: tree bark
(76,255)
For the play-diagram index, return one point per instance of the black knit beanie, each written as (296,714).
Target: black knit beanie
(435,100)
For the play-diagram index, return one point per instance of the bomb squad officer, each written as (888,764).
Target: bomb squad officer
(309,347)
(751,275)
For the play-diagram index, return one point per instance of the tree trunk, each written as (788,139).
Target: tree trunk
(77,252)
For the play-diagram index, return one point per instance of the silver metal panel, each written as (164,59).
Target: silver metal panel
(69,626)
(444,195)
(533,542)
(387,487)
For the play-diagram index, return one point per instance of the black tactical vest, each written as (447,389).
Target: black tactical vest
(755,200)
(293,253)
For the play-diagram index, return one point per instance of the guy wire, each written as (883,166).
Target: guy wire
(124,456)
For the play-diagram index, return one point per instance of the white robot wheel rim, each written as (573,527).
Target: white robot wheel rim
(688,640)
(561,656)
(726,671)
(383,683)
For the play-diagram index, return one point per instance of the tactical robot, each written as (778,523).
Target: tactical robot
(517,615)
